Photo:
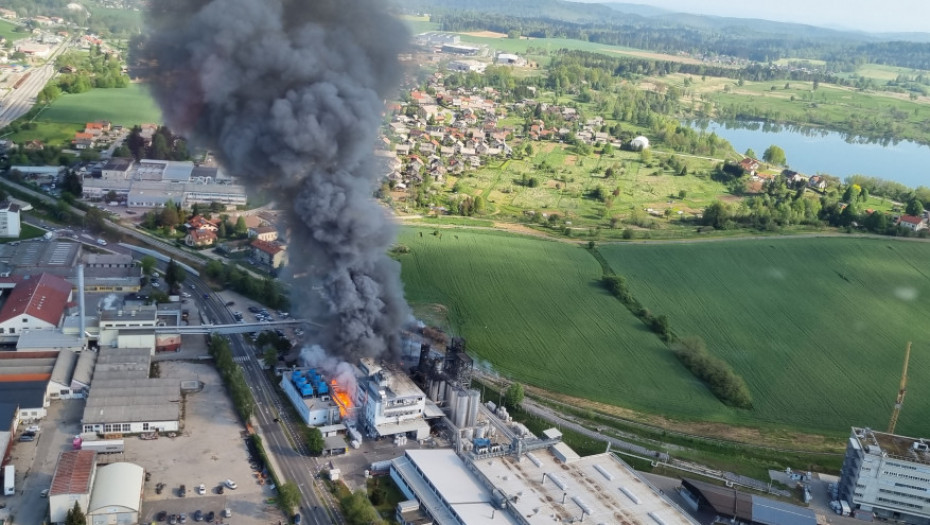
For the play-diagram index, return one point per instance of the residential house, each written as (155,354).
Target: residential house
(264,233)
(10,226)
(199,222)
(271,253)
(199,238)
(749,165)
(912,223)
(817,182)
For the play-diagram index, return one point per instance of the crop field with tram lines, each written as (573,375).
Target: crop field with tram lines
(816,326)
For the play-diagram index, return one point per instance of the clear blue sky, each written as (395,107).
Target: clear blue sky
(865,15)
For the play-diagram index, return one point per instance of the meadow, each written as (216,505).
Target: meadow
(816,326)
(124,106)
(7,31)
(534,310)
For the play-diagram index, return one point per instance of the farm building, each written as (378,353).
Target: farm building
(743,507)
(885,476)
(72,481)
(117,495)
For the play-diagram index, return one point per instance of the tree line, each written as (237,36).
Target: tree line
(719,377)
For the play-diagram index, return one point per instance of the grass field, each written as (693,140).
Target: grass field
(7,31)
(817,327)
(535,310)
(127,106)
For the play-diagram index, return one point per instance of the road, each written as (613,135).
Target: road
(282,438)
(20,100)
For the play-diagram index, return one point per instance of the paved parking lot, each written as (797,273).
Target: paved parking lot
(210,448)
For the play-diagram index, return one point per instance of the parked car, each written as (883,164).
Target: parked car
(210,517)
(198,515)
(173,519)
(201,489)
(297,519)
(27,437)
(230,484)
(182,492)
(44,493)
(230,303)
(161,516)
(227,513)
(254,309)
(182,518)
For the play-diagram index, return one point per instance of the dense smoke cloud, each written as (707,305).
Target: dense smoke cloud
(289,95)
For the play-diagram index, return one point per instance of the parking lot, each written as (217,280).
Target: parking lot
(210,449)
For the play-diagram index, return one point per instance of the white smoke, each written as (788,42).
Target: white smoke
(314,356)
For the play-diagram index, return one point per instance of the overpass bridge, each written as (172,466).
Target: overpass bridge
(237,328)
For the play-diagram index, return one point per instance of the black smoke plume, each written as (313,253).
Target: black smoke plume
(289,95)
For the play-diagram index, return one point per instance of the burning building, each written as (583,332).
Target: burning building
(390,403)
(314,397)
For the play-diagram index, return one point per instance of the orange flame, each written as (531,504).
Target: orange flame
(342,398)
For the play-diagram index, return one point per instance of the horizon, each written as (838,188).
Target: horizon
(869,16)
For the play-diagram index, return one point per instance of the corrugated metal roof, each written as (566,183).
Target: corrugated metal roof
(74,472)
(117,485)
(64,367)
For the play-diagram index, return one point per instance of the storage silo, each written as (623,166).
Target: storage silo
(461,408)
(474,399)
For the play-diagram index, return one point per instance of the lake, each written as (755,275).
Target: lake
(811,151)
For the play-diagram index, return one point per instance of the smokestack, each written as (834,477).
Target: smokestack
(82,333)
(289,94)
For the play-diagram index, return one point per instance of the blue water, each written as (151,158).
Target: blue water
(811,151)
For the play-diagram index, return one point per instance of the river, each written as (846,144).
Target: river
(811,151)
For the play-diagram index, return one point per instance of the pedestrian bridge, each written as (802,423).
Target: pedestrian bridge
(237,328)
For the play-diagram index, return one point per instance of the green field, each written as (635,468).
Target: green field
(817,327)
(127,106)
(7,31)
(535,310)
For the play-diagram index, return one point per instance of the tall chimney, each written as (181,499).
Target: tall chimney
(82,334)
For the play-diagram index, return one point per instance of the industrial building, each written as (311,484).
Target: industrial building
(732,505)
(530,488)
(35,303)
(312,396)
(117,495)
(390,403)
(123,399)
(72,482)
(887,477)
(152,183)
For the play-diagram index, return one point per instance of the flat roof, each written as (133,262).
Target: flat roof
(392,429)
(334,442)
(48,339)
(452,490)
(73,473)
(25,394)
(608,490)
(903,447)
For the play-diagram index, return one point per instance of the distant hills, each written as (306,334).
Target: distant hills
(656,29)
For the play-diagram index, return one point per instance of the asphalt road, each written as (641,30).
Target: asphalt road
(281,439)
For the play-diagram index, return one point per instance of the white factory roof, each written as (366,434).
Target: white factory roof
(452,493)
(118,485)
(606,487)
(48,340)
(411,425)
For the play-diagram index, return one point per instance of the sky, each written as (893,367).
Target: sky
(875,16)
